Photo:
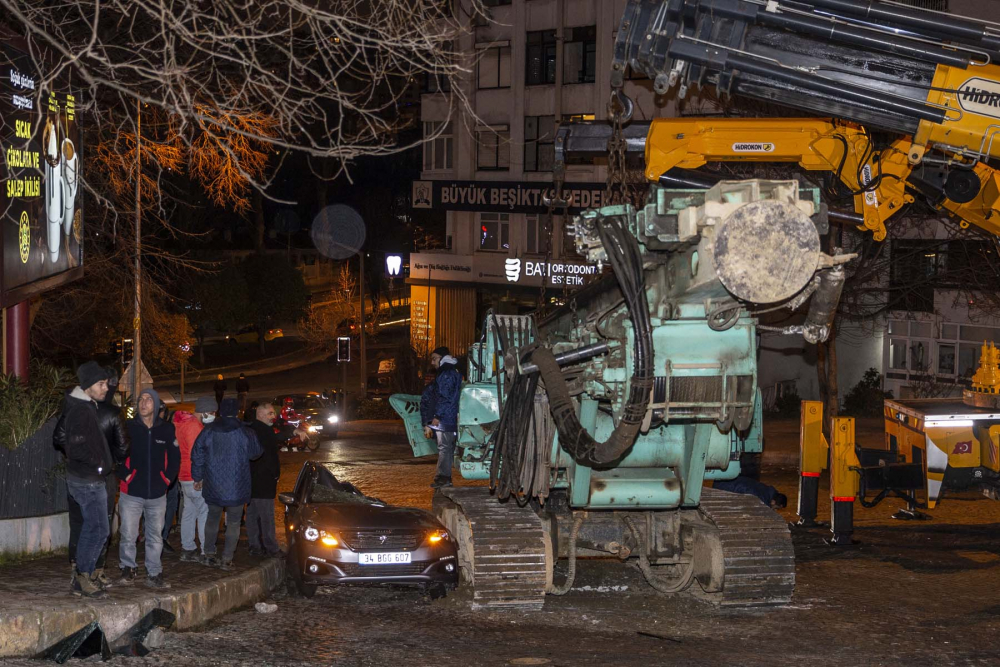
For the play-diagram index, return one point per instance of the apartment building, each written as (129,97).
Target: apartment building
(535,64)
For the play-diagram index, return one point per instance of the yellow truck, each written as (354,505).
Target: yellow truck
(931,445)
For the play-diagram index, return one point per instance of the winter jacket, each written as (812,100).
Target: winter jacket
(449,389)
(78,435)
(187,427)
(264,472)
(153,463)
(428,402)
(749,486)
(242,386)
(109,420)
(221,459)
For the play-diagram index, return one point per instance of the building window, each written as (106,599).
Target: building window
(540,63)
(537,229)
(946,359)
(920,356)
(539,142)
(494,68)
(580,55)
(494,231)
(897,354)
(968,359)
(435,83)
(494,149)
(438,151)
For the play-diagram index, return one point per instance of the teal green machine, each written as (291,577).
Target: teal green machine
(598,426)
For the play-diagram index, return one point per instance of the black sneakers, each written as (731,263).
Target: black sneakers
(440,482)
(189,556)
(167,548)
(156,582)
(128,576)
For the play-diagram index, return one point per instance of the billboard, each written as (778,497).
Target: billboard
(41,211)
(504,196)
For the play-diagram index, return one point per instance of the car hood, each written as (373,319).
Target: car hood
(358,516)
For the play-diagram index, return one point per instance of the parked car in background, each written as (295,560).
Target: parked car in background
(338,535)
(248,334)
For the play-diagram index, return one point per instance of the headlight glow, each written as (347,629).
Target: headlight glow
(311,534)
(313,429)
(333,419)
(437,536)
(329,540)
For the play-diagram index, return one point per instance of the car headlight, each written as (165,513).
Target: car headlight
(311,534)
(328,539)
(314,429)
(438,536)
(333,419)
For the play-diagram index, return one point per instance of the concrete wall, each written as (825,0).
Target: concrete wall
(34,535)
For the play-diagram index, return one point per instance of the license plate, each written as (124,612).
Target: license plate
(385,558)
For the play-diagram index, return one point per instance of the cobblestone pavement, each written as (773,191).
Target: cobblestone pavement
(911,593)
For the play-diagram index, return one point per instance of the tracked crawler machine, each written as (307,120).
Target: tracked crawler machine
(598,426)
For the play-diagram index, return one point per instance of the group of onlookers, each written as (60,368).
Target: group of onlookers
(202,464)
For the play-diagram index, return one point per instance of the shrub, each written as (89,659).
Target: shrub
(25,407)
(865,398)
(787,405)
(370,409)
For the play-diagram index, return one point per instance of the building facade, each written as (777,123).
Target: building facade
(534,65)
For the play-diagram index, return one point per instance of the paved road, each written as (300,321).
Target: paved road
(911,594)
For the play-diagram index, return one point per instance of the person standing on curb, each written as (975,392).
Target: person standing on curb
(195,515)
(151,467)
(242,392)
(221,461)
(445,422)
(88,462)
(219,388)
(264,474)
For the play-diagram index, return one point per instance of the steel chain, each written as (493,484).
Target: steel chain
(618,190)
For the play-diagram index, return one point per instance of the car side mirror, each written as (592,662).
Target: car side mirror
(287,499)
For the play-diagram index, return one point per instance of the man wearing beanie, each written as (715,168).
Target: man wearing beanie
(444,425)
(221,461)
(188,427)
(150,468)
(88,461)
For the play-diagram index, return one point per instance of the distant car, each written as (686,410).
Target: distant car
(338,535)
(319,416)
(249,335)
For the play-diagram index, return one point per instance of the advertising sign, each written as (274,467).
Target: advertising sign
(41,211)
(503,196)
(500,269)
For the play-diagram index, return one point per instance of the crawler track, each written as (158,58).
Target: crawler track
(507,557)
(757,550)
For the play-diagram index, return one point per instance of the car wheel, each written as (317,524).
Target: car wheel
(293,572)
(312,444)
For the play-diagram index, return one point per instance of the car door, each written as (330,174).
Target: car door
(300,492)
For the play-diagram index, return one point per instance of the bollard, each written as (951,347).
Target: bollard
(813,450)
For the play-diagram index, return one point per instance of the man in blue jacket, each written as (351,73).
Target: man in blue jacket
(448,389)
(153,463)
(220,462)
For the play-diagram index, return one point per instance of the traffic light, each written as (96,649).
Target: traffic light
(128,350)
(116,348)
(344,348)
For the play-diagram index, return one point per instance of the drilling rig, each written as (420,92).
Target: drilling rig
(598,424)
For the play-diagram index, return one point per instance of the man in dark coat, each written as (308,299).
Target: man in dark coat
(88,462)
(220,389)
(220,460)
(152,466)
(110,422)
(448,386)
(766,493)
(264,474)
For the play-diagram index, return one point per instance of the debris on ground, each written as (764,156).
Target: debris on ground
(265,608)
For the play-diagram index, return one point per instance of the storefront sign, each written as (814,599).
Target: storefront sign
(500,269)
(41,207)
(503,196)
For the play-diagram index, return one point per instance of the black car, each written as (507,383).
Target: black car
(338,535)
(319,416)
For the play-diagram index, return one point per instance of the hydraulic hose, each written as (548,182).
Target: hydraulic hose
(571,573)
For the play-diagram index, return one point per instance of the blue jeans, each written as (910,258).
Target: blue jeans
(93,500)
(131,509)
(173,500)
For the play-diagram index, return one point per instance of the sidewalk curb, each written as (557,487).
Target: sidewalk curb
(27,631)
(304,359)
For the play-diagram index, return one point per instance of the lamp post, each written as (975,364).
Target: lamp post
(137,322)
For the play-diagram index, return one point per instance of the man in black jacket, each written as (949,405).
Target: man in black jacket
(88,461)
(264,474)
(152,465)
(110,423)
